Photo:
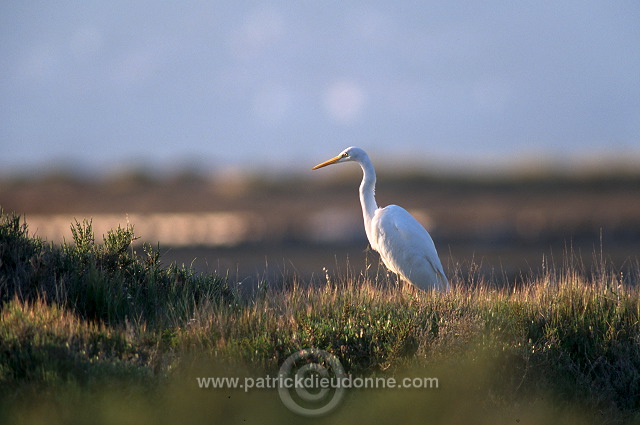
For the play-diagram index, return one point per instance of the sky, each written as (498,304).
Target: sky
(283,85)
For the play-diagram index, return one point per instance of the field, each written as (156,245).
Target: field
(505,224)
(541,325)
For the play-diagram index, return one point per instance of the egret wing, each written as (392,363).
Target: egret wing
(406,248)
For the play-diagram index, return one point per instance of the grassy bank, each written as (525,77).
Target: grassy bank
(95,332)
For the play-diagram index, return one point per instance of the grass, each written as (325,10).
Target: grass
(95,332)
(107,282)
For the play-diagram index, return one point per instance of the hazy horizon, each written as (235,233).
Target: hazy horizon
(540,165)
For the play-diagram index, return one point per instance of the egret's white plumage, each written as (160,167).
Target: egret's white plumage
(405,247)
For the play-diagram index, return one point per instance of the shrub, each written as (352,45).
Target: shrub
(107,282)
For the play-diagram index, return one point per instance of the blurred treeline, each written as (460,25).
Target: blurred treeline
(505,222)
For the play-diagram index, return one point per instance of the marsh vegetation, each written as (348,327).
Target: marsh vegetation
(100,330)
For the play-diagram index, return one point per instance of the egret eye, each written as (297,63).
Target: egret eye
(344,155)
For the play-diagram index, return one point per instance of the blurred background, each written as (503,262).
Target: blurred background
(512,131)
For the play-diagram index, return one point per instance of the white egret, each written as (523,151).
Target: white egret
(406,248)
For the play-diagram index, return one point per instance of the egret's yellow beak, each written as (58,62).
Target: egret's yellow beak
(329,162)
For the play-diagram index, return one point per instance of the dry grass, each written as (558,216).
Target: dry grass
(563,347)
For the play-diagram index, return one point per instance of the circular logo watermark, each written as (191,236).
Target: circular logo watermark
(311,379)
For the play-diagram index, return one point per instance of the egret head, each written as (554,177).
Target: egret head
(350,154)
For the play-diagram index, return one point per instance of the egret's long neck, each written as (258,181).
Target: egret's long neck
(367,193)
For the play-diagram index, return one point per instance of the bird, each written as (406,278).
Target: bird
(404,245)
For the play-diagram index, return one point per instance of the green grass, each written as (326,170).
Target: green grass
(95,332)
(107,282)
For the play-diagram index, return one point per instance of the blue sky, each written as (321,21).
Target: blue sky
(104,85)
